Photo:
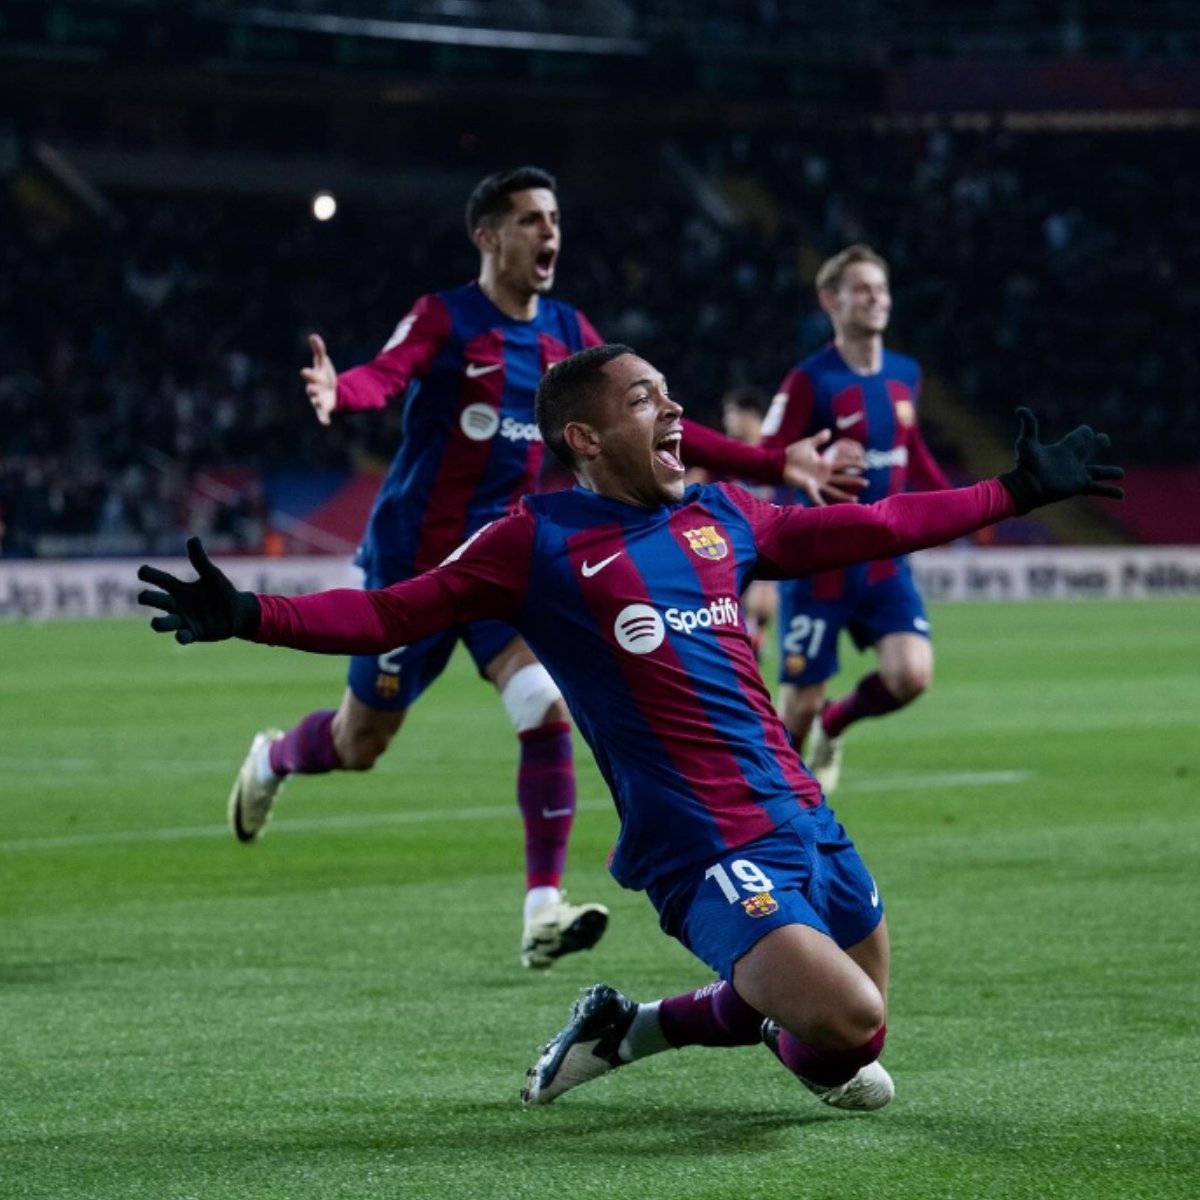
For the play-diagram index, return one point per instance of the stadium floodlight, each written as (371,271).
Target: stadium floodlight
(324,206)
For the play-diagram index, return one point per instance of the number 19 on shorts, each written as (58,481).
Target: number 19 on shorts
(751,878)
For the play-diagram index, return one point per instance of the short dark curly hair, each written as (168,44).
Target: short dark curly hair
(491,198)
(568,393)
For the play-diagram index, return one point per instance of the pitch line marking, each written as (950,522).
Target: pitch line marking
(897,783)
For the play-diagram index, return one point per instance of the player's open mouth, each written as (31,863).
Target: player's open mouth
(666,450)
(544,264)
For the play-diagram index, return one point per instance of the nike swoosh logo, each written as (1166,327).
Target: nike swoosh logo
(474,370)
(846,422)
(874,894)
(588,570)
(556,812)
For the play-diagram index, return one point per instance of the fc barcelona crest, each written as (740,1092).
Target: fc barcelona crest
(707,542)
(387,687)
(905,413)
(762,905)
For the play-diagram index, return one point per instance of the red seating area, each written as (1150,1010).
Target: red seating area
(1162,505)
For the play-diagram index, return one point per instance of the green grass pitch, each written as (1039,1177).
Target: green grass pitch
(338,1011)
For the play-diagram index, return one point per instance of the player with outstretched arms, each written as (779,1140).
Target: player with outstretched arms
(626,587)
(865,392)
(467,363)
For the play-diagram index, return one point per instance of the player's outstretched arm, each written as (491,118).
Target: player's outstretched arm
(208,609)
(1059,470)
(487,577)
(799,541)
(320,380)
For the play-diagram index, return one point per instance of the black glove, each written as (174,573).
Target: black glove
(1046,473)
(210,609)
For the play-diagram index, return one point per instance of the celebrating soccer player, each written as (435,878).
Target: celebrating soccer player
(626,587)
(866,393)
(468,362)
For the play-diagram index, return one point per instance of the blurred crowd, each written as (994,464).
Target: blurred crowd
(1050,269)
(1057,270)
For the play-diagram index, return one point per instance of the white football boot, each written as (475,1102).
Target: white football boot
(870,1089)
(251,800)
(586,1047)
(560,928)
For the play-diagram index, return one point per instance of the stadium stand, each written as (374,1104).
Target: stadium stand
(1051,267)
(1034,268)
(150,336)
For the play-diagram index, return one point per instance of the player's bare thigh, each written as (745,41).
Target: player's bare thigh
(361,734)
(905,664)
(799,706)
(801,978)
(513,658)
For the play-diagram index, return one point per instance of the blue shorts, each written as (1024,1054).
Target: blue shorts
(392,682)
(806,872)
(870,600)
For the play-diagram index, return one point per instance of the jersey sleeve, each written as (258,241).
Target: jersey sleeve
(714,452)
(794,541)
(924,474)
(790,416)
(587,332)
(408,355)
(487,576)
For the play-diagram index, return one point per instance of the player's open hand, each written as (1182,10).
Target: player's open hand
(320,380)
(1046,472)
(208,609)
(847,464)
(822,471)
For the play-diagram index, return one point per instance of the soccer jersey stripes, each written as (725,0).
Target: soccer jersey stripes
(880,412)
(470,446)
(635,613)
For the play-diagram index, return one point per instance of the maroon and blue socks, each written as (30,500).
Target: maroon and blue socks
(546,796)
(828,1068)
(716,1015)
(870,699)
(307,748)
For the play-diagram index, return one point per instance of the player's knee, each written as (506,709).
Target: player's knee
(853,1017)
(865,1015)
(909,682)
(531,698)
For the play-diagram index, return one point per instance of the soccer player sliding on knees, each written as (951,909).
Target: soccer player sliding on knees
(626,588)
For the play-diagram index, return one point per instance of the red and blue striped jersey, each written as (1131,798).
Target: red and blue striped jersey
(470,446)
(635,612)
(878,410)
